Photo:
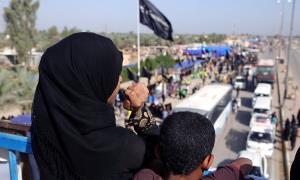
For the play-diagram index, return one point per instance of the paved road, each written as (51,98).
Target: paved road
(295,65)
(275,162)
(233,138)
(292,106)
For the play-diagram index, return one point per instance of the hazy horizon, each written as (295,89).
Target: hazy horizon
(254,17)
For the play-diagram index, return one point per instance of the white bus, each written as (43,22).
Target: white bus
(212,101)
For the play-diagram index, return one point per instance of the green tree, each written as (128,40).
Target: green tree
(4,42)
(53,35)
(20,19)
(17,87)
(66,31)
(151,64)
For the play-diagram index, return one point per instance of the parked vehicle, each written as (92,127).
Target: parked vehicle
(262,90)
(259,163)
(261,140)
(263,105)
(258,120)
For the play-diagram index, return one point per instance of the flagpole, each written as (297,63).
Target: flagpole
(138,38)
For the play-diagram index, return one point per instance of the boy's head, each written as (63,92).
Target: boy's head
(186,143)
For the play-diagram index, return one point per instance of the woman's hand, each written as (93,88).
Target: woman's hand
(137,94)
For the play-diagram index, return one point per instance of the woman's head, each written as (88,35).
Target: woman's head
(87,63)
(112,97)
(77,77)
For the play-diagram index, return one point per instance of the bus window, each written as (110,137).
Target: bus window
(216,112)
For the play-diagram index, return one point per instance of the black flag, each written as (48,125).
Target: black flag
(132,76)
(146,73)
(155,20)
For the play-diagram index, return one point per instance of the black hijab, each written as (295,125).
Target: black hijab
(295,174)
(74,135)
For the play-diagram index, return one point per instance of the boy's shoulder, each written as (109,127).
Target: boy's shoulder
(147,174)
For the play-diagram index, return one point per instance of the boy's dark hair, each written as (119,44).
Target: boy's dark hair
(186,138)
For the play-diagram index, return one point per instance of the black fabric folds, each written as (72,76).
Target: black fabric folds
(151,16)
(74,135)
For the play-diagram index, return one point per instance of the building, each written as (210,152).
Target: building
(11,55)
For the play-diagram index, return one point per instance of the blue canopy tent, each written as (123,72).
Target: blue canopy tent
(193,52)
(219,50)
(187,64)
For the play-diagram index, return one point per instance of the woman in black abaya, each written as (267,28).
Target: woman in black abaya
(74,134)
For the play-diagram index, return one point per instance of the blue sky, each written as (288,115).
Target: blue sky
(186,16)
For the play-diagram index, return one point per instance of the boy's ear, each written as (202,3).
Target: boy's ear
(207,162)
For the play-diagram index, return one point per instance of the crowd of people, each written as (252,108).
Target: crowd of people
(179,85)
(290,130)
(74,133)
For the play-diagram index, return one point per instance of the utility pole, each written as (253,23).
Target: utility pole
(289,51)
(280,29)
(138,38)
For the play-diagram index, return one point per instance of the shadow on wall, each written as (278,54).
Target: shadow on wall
(236,140)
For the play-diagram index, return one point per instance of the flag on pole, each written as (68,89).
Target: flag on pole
(146,73)
(155,20)
(132,76)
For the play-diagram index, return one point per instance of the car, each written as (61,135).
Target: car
(262,90)
(261,140)
(261,120)
(240,82)
(262,105)
(259,163)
